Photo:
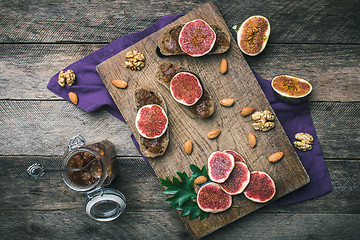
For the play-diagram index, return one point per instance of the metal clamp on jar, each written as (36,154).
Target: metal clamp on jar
(89,168)
(102,204)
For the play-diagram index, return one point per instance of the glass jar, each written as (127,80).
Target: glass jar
(102,204)
(101,172)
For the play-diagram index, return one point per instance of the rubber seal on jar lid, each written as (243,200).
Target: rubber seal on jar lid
(105,204)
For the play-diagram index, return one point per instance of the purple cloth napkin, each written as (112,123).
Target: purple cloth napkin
(93,95)
(295,119)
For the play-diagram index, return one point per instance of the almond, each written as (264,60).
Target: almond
(276,156)
(119,83)
(188,147)
(73,98)
(227,102)
(223,66)
(246,111)
(200,180)
(252,140)
(213,134)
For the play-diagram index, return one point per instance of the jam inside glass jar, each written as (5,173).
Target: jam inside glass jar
(101,172)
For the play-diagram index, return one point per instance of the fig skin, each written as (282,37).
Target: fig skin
(183,45)
(182,101)
(242,35)
(237,156)
(292,99)
(138,118)
(224,173)
(232,185)
(215,201)
(248,192)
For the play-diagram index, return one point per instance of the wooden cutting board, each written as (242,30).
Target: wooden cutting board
(238,83)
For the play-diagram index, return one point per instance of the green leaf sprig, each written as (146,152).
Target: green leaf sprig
(183,193)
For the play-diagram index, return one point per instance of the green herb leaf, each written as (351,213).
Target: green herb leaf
(192,209)
(183,193)
(182,190)
(198,172)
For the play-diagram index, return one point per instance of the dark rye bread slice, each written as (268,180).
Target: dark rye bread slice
(205,107)
(169,41)
(151,147)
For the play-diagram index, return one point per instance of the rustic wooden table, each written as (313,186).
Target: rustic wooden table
(317,40)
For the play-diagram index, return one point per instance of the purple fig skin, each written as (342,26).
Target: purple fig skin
(143,126)
(183,90)
(237,156)
(204,34)
(261,188)
(211,198)
(220,165)
(284,97)
(238,179)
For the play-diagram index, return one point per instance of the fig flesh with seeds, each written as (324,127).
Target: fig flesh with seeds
(185,87)
(261,187)
(211,198)
(197,38)
(151,121)
(238,179)
(220,165)
(291,89)
(253,35)
(237,156)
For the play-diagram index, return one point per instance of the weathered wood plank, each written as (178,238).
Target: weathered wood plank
(27,68)
(45,128)
(291,22)
(43,208)
(142,189)
(23,132)
(60,224)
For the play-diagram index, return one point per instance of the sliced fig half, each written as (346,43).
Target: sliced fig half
(197,38)
(261,187)
(253,35)
(220,165)
(291,89)
(238,179)
(237,157)
(151,121)
(185,87)
(211,198)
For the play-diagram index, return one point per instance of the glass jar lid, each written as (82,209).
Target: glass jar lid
(105,204)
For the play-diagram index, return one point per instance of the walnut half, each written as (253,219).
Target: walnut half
(305,141)
(66,77)
(263,120)
(135,60)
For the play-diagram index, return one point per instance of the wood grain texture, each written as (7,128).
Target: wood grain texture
(306,21)
(30,66)
(23,128)
(23,131)
(43,208)
(316,40)
(288,174)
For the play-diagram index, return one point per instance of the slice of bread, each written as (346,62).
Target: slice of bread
(151,147)
(205,107)
(168,42)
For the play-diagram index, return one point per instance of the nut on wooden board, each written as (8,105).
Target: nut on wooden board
(227,102)
(247,111)
(188,147)
(213,134)
(252,140)
(119,83)
(276,157)
(223,66)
